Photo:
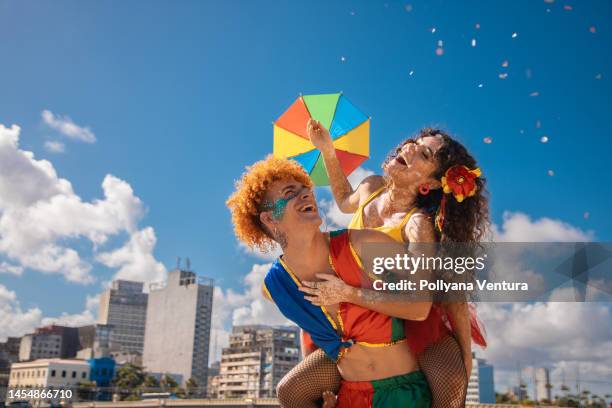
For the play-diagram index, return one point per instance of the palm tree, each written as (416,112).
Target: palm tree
(168,383)
(191,387)
(129,378)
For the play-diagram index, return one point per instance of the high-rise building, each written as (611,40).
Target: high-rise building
(177,334)
(543,387)
(124,306)
(256,360)
(481,385)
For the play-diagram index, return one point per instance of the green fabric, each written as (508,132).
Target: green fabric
(318,175)
(322,107)
(408,390)
(397,329)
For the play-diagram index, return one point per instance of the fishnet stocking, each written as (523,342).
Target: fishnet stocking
(303,386)
(443,366)
(441,363)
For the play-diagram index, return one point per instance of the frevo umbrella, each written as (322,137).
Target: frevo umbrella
(348,126)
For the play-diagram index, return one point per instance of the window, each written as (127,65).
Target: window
(63,373)
(74,374)
(83,374)
(52,373)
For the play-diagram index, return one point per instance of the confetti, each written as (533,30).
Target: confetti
(567,7)
(592,29)
(548,10)
(514,35)
(480,85)
(477,26)
(343,59)
(528,73)
(544,139)
(503,75)
(439,51)
(551,173)
(598,76)
(505,64)
(487,140)
(433,30)
(408,8)
(440,43)
(536,93)
(473,42)
(586,215)
(352,13)
(549,1)
(538,124)
(522,131)
(411,72)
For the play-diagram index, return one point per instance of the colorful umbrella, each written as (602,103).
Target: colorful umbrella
(348,126)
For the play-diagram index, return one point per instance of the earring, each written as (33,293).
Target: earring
(424,188)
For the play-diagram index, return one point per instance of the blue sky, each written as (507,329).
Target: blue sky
(181,96)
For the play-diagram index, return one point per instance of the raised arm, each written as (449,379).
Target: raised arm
(347,198)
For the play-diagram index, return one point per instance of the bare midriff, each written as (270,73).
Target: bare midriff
(366,363)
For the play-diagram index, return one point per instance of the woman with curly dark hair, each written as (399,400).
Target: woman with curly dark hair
(388,203)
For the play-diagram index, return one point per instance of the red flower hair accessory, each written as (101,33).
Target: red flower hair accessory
(460,181)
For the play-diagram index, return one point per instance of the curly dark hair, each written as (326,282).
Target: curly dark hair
(465,221)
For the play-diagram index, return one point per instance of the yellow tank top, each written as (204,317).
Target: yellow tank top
(394,232)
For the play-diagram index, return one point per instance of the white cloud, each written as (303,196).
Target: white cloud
(552,334)
(41,217)
(67,127)
(333,217)
(14,321)
(135,259)
(54,146)
(6,267)
(518,227)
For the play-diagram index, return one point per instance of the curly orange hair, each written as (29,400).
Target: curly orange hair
(245,202)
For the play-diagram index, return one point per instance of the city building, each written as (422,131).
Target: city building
(55,342)
(481,385)
(35,346)
(9,353)
(102,345)
(43,373)
(102,371)
(256,360)
(543,389)
(177,334)
(124,308)
(212,390)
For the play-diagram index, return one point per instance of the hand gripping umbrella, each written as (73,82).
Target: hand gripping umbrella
(348,127)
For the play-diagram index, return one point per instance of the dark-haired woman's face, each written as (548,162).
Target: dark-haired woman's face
(415,163)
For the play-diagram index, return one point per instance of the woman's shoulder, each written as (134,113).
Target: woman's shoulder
(369,186)
(419,227)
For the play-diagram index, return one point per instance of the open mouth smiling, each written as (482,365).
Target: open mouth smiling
(307,208)
(401,160)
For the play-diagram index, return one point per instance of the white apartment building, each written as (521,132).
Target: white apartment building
(52,373)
